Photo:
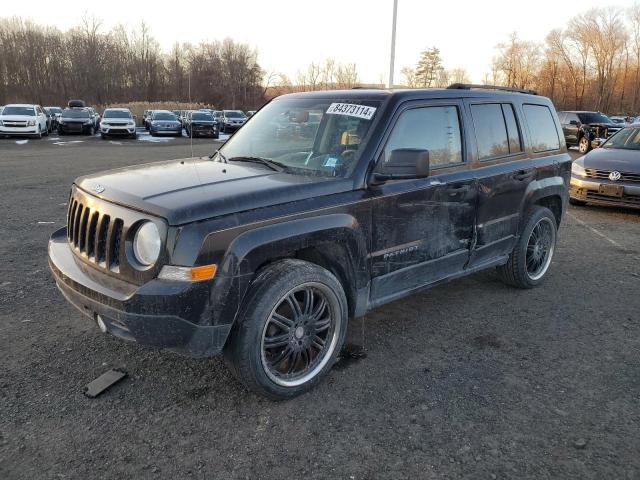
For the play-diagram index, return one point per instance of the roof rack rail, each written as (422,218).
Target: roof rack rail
(469,86)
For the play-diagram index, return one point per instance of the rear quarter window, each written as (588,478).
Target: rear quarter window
(544,135)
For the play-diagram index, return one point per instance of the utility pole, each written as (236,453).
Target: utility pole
(393,42)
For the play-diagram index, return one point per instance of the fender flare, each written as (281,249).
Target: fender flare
(547,187)
(339,234)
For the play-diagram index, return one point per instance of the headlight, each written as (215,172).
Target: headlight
(578,170)
(31,123)
(146,244)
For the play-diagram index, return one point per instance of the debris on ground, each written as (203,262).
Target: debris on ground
(103,382)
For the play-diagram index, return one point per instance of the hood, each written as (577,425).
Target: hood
(604,124)
(17,118)
(183,191)
(612,159)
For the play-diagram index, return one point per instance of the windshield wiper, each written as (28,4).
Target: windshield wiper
(272,164)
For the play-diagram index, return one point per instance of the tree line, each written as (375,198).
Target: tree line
(592,64)
(45,65)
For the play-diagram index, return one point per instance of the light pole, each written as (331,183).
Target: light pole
(393,42)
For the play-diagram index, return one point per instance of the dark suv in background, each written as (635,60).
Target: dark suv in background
(265,250)
(586,130)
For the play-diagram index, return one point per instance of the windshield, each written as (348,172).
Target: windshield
(72,113)
(234,114)
(626,139)
(55,109)
(164,116)
(28,111)
(202,116)
(116,114)
(590,117)
(310,136)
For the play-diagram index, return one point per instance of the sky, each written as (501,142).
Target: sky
(291,34)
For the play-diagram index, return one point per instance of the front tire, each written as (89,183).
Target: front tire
(290,331)
(531,258)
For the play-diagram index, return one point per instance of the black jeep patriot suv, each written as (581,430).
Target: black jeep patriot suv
(322,207)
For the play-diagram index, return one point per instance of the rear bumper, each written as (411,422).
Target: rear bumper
(586,189)
(151,314)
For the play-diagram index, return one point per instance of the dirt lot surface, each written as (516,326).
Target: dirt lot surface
(469,380)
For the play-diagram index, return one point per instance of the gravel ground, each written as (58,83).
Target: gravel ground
(468,380)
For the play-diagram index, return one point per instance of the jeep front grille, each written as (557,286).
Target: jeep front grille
(94,235)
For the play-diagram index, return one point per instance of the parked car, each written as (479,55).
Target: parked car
(118,121)
(164,122)
(146,115)
(201,124)
(586,130)
(56,112)
(23,119)
(250,113)
(267,250)
(609,175)
(96,118)
(49,116)
(622,121)
(76,120)
(232,120)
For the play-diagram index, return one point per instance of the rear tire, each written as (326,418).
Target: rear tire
(531,258)
(289,331)
(584,145)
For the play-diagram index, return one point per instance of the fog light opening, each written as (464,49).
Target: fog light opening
(101,325)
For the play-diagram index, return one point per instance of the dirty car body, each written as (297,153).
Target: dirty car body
(339,200)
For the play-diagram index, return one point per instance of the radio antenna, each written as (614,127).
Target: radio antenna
(190,131)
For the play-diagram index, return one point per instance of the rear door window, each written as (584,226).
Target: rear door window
(515,145)
(491,131)
(544,135)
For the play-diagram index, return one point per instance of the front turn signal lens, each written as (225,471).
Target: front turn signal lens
(188,274)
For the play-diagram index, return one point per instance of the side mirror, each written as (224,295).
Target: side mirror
(403,164)
(574,122)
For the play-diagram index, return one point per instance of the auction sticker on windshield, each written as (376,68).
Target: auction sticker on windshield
(351,110)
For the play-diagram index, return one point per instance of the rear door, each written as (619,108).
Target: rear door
(504,172)
(570,129)
(422,229)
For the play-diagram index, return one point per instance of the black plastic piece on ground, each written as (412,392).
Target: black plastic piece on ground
(104,381)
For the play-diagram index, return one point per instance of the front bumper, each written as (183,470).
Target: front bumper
(152,314)
(18,131)
(587,189)
(166,130)
(70,127)
(117,130)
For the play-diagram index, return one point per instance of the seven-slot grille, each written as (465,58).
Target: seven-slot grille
(94,235)
(604,175)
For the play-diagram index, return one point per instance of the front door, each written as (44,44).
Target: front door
(422,228)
